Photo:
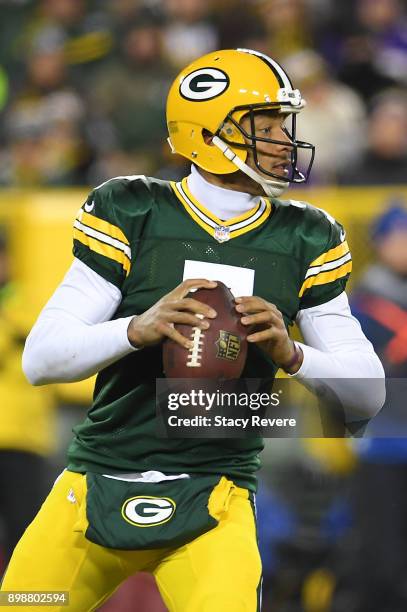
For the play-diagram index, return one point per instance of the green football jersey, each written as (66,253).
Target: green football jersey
(138,233)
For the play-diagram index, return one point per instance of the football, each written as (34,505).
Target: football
(218,352)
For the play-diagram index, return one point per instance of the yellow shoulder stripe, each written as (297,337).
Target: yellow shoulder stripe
(102,226)
(103,249)
(326,277)
(332,254)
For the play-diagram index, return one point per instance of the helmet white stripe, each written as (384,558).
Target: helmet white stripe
(283,76)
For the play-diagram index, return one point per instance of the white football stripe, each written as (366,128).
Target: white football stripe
(330,265)
(89,231)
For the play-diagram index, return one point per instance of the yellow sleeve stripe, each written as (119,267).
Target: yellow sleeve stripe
(101,226)
(332,254)
(103,249)
(329,265)
(326,277)
(89,231)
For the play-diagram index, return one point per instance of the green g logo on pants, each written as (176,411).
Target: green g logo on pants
(146,511)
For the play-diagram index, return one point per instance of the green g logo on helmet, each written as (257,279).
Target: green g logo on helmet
(204,84)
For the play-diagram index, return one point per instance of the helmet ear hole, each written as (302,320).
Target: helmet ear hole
(207,136)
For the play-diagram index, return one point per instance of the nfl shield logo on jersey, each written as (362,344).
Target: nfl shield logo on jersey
(222,233)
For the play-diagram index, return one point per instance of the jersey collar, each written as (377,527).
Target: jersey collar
(218,229)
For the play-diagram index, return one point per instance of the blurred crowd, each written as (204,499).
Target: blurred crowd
(83,83)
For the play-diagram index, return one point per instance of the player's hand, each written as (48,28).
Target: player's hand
(269,331)
(157,322)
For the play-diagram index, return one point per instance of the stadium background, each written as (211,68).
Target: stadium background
(82,98)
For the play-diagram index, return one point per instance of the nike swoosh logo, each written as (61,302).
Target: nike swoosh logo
(89,207)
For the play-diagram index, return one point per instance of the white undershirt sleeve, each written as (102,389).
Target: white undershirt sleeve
(74,337)
(338,355)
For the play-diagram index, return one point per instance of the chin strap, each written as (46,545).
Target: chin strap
(271,188)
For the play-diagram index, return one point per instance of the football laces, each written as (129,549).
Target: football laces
(195,352)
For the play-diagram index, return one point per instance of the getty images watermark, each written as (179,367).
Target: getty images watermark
(209,408)
(217,400)
(278,408)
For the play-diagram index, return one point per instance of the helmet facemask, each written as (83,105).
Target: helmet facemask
(297,170)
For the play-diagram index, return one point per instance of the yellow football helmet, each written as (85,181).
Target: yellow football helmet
(213,93)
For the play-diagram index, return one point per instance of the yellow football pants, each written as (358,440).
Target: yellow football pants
(219,571)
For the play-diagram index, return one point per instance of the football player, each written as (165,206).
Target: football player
(184,509)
